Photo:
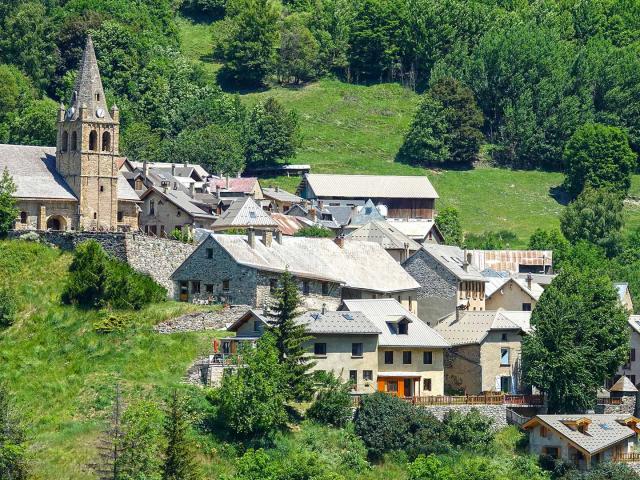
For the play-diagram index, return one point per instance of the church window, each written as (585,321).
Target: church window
(65,141)
(120,215)
(95,216)
(106,142)
(93,141)
(97,97)
(74,141)
(23,217)
(102,188)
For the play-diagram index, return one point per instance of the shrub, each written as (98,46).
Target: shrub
(429,468)
(315,231)
(471,431)
(8,308)
(332,405)
(490,240)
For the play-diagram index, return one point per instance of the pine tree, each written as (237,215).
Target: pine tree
(13,465)
(109,446)
(180,462)
(8,210)
(291,338)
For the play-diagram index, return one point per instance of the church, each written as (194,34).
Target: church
(76,185)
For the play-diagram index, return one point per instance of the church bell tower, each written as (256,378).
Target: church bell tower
(87,148)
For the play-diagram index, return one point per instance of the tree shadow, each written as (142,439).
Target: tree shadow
(230,85)
(560,195)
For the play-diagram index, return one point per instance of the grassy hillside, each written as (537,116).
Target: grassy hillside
(63,373)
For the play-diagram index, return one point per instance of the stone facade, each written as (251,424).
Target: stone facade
(160,217)
(498,413)
(43,214)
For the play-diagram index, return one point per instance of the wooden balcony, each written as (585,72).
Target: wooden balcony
(484,399)
(631,457)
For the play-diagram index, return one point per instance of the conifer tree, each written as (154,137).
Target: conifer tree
(8,210)
(13,465)
(109,446)
(291,338)
(180,462)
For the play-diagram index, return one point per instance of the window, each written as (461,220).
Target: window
(353,376)
(305,287)
(427,358)
(106,142)
(93,141)
(95,215)
(426,384)
(543,431)
(367,375)
(120,216)
(319,348)
(356,349)
(553,452)
(138,184)
(97,97)
(325,288)
(74,141)
(505,384)
(23,217)
(152,207)
(256,326)
(388,358)
(526,307)
(632,355)
(403,328)
(162,231)
(225,285)
(65,142)
(102,188)
(208,288)
(504,337)
(209,252)
(392,386)
(195,286)
(504,356)
(406,357)
(273,284)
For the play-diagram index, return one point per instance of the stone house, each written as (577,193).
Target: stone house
(279,201)
(631,369)
(398,245)
(511,293)
(448,281)
(583,440)
(394,196)
(241,269)
(385,348)
(165,210)
(485,350)
(75,185)
(422,231)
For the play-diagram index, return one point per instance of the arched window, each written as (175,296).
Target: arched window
(23,217)
(106,142)
(74,141)
(65,141)
(93,141)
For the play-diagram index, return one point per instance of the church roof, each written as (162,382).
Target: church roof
(34,172)
(88,89)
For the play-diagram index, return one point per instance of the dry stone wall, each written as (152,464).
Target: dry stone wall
(498,413)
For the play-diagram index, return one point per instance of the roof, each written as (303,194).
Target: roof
(281,195)
(383,234)
(510,260)
(452,259)
(622,289)
(251,313)
(634,322)
(367,213)
(34,172)
(359,265)
(288,224)
(603,430)
(243,213)
(163,165)
(180,200)
(539,278)
(125,192)
(370,186)
(383,311)
(332,322)
(236,184)
(341,214)
(473,326)
(496,284)
(415,229)
(623,385)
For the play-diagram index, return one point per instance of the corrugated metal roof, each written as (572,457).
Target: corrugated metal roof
(510,260)
(370,186)
(332,322)
(33,170)
(602,432)
(495,284)
(287,224)
(473,326)
(383,234)
(359,265)
(452,258)
(244,213)
(383,311)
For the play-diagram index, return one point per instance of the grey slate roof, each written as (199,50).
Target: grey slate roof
(452,258)
(359,265)
(243,213)
(163,165)
(365,214)
(125,192)
(341,214)
(182,201)
(473,327)
(603,431)
(383,311)
(34,172)
(370,186)
(281,195)
(332,322)
(383,234)
(415,229)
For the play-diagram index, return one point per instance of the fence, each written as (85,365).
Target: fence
(485,399)
(514,418)
(631,457)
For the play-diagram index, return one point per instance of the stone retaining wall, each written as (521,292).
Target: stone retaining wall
(498,413)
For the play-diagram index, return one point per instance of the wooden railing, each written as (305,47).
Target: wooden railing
(484,399)
(631,457)
(609,401)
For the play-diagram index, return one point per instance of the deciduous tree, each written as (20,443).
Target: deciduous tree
(13,451)
(448,222)
(8,210)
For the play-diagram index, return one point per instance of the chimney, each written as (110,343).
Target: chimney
(279,237)
(251,237)
(227,182)
(405,251)
(277,188)
(186,164)
(457,313)
(173,169)
(267,237)
(217,190)
(192,189)
(324,309)
(465,261)
(340,240)
(145,170)
(529,280)
(313,214)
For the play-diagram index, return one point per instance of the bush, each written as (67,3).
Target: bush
(332,405)
(97,280)
(490,240)
(472,431)
(8,308)
(314,231)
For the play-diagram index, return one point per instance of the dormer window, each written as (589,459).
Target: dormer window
(403,328)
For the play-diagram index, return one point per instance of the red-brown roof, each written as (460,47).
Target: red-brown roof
(244,185)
